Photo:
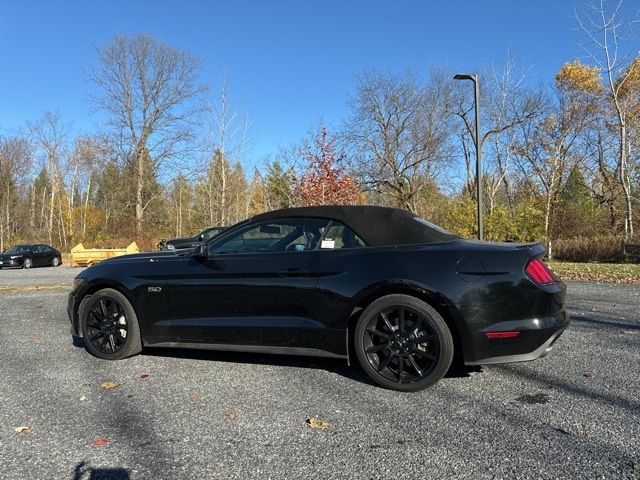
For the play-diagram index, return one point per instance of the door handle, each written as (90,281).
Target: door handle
(294,272)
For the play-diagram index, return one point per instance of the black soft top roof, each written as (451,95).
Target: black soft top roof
(377,226)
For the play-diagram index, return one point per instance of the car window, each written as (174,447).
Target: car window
(211,232)
(19,249)
(38,249)
(288,235)
(339,235)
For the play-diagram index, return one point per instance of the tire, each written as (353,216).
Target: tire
(55,261)
(27,263)
(100,317)
(403,343)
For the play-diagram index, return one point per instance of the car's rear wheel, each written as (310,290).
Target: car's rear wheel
(27,263)
(109,325)
(403,343)
(55,262)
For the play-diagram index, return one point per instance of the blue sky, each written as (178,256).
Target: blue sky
(289,63)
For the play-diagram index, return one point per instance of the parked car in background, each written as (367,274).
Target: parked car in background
(30,255)
(190,242)
(401,294)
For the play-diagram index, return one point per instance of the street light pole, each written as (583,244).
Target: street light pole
(478,142)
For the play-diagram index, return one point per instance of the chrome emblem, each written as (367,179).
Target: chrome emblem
(154,289)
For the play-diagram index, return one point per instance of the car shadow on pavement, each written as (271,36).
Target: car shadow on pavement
(606,323)
(84,472)
(337,366)
(553,382)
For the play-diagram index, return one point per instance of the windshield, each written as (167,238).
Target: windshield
(211,232)
(19,249)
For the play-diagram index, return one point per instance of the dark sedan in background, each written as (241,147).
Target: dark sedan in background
(400,293)
(190,242)
(30,255)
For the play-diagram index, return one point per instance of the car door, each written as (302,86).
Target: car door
(47,255)
(257,286)
(37,255)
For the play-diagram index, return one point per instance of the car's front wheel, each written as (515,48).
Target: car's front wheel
(27,263)
(109,325)
(403,343)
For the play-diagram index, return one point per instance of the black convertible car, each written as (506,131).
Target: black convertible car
(402,294)
(27,256)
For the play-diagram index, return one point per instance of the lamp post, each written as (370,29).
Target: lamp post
(478,142)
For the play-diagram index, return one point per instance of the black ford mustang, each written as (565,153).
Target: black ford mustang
(30,255)
(403,294)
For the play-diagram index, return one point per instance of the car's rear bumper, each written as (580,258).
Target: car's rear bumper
(534,339)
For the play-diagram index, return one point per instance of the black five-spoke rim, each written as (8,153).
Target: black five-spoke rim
(401,344)
(107,325)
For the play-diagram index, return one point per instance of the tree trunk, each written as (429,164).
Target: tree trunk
(139,192)
(51,211)
(625,182)
(86,206)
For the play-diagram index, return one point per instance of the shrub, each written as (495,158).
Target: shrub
(589,249)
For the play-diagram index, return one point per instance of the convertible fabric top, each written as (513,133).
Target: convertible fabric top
(377,226)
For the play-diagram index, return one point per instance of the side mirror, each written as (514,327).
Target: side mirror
(201,237)
(201,251)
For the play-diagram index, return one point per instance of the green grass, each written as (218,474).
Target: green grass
(603,272)
(34,288)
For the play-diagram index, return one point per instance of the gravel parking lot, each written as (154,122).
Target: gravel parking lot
(180,414)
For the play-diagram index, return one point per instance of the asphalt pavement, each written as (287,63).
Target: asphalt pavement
(180,414)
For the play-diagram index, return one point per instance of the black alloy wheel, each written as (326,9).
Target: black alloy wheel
(109,325)
(403,343)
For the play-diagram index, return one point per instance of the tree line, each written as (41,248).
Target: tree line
(171,157)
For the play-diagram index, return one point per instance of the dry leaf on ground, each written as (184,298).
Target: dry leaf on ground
(316,424)
(108,385)
(144,376)
(195,398)
(231,415)
(101,442)
(24,430)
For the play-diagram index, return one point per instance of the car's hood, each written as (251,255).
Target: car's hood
(182,239)
(141,257)
(7,256)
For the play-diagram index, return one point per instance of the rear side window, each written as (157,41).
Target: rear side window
(340,236)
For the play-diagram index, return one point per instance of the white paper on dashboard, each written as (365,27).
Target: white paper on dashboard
(328,244)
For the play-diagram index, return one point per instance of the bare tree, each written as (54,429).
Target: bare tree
(51,136)
(149,92)
(399,134)
(604,26)
(227,143)
(551,147)
(507,105)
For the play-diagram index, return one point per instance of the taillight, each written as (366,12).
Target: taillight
(540,272)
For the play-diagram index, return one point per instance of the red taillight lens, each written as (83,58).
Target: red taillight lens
(540,273)
(507,334)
